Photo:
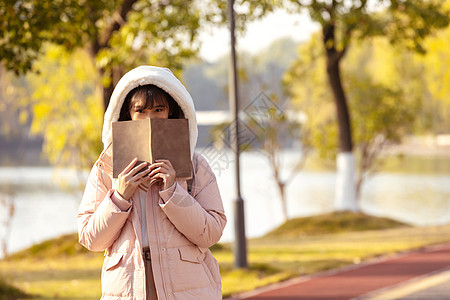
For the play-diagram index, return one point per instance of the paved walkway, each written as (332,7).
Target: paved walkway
(429,287)
(423,274)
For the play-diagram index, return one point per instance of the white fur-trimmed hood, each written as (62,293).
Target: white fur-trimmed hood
(162,78)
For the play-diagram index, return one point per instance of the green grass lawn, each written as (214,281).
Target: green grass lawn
(61,269)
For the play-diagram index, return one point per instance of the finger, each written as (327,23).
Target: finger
(160,162)
(166,169)
(130,166)
(161,159)
(159,176)
(155,171)
(143,180)
(165,165)
(140,175)
(164,160)
(153,181)
(138,168)
(156,165)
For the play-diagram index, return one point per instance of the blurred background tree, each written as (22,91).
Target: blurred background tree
(436,69)
(406,23)
(74,53)
(278,128)
(117,34)
(66,108)
(270,126)
(389,98)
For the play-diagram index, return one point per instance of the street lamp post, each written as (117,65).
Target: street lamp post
(240,247)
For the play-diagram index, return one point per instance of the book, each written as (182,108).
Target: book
(152,139)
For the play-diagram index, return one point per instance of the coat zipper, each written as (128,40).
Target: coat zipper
(155,192)
(134,212)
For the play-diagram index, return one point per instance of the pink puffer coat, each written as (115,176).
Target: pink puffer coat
(181,229)
(181,226)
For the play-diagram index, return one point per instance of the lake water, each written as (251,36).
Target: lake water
(43,209)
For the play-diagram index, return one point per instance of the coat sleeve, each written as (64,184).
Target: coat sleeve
(200,218)
(102,213)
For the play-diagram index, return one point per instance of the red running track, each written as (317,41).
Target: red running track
(356,281)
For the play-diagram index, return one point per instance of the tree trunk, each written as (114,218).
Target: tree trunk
(334,77)
(107,92)
(273,152)
(115,74)
(101,41)
(345,183)
(282,189)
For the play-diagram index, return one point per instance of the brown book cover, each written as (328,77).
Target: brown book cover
(152,139)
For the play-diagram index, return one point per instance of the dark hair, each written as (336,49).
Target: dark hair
(152,95)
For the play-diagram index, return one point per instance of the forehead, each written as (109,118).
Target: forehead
(139,103)
(148,103)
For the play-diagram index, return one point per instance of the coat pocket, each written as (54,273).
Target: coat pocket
(191,253)
(117,275)
(186,268)
(113,261)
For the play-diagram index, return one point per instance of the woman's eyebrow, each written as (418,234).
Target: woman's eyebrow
(159,106)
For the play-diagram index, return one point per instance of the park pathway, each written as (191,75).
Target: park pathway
(422,274)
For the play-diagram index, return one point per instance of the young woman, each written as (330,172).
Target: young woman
(155,231)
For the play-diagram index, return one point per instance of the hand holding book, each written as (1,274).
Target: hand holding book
(163,171)
(131,177)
